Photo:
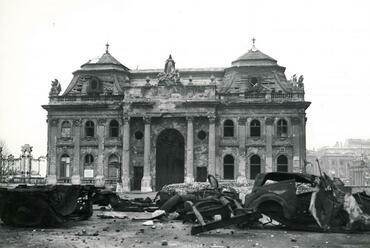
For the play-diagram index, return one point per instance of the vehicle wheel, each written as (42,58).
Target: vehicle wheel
(273,210)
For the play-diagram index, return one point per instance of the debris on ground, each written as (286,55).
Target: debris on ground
(45,205)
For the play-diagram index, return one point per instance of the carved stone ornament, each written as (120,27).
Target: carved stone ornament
(126,118)
(212,118)
(55,88)
(190,118)
(77,123)
(54,122)
(147,119)
(269,121)
(170,76)
(102,122)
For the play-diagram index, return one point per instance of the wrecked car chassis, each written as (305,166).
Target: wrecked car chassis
(46,206)
(307,202)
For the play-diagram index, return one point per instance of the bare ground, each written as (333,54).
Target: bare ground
(97,232)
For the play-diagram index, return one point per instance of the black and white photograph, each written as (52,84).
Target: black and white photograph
(184,123)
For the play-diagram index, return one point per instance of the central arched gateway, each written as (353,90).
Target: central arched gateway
(169,158)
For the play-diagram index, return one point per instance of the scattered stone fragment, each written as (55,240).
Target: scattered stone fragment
(293,240)
(153,227)
(148,223)
(164,242)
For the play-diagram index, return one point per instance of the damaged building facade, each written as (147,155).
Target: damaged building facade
(142,129)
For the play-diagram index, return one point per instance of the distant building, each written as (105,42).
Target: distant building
(142,129)
(342,160)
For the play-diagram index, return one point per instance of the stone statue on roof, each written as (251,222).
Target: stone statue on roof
(170,76)
(55,88)
(169,66)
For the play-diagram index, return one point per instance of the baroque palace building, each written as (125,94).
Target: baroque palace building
(143,129)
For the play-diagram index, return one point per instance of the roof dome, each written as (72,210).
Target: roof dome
(254,57)
(104,62)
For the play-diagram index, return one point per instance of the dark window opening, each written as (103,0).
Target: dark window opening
(89,159)
(202,135)
(255,128)
(201,174)
(113,128)
(282,163)
(282,128)
(228,167)
(94,84)
(139,135)
(228,128)
(89,129)
(254,81)
(255,163)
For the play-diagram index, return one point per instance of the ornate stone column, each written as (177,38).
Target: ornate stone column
(189,170)
(99,178)
(125,170)
(76,177)
(146,181)
(242,154)
(212,146)
(269,134)
(52,152)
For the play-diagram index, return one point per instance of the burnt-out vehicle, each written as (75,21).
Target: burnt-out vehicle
(46,205)
(308,202)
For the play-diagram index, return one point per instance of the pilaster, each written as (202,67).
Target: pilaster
(189,175)
(146,181)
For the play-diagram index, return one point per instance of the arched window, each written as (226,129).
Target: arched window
(228,167)
(255,163)
(113,128)
(89,129)
(65,166)
(282,163)
(255,128)
(282,128)
(228,128)
(89,159)
(113,166)
(89,170)
(66,129)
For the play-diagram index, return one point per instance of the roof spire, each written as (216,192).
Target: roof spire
(107,48)
(254,45)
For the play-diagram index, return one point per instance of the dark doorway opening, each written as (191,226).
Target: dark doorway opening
(201,174)
(170,158)
(138,175)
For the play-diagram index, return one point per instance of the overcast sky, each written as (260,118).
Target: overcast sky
(326,41)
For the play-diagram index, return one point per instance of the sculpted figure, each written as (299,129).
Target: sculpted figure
(55,88)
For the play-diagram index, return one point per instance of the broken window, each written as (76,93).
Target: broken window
(228,128)
(282,128)
(282,163)
(255,128)
(113,128)
(89,129)
(66,129)
(255,163)
(228,167)
(113,166)
(65,165)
